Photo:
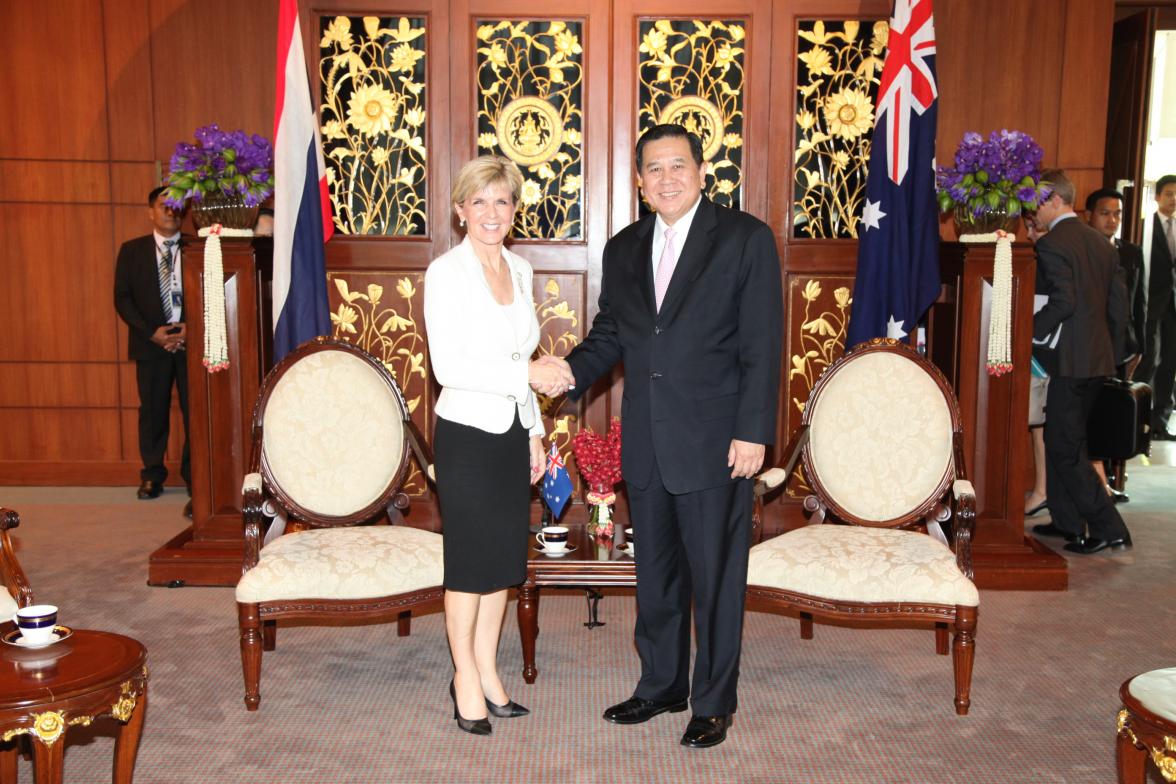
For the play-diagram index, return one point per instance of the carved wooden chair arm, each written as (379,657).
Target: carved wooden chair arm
(14,577)
(776,477)
(964,511)
(420,450)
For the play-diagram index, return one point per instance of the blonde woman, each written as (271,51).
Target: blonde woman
(488,449)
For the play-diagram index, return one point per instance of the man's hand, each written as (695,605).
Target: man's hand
(744,458)
(170,337)
(537,458)
(550,375)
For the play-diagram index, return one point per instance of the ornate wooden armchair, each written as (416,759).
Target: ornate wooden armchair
(892,515)
(331,441)
(17,591)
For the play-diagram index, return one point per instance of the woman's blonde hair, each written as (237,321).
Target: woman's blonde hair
(484,171)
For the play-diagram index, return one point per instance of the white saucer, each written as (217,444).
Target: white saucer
(14,637)
(556,553)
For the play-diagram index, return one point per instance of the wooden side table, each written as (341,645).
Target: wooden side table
(1147,726)
(45,691)
(592,564)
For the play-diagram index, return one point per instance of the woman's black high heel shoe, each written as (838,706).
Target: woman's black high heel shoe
(472,726)
(511,710)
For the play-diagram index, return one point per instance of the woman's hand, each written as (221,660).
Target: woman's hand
(536,458)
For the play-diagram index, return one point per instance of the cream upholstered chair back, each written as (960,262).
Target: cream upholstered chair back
(334,441)
(881,426)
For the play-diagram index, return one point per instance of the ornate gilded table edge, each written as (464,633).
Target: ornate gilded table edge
(48,726)
(1164,758)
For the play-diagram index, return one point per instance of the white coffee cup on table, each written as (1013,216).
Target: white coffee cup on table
(36,623)
(553,538)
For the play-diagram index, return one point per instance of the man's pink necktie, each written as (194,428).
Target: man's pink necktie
(665,269)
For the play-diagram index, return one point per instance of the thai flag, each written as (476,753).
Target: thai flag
(302,209)
(898,237)
(557,485)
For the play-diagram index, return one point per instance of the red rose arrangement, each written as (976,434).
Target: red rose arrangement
(599,460)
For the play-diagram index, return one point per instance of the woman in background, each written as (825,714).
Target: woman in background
(488,449)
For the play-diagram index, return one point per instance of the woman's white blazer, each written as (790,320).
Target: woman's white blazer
(476,355)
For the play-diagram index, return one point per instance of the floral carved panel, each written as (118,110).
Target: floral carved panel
(819,309)
(372,96)
(530,109)
(691,72)
(383,313)
(559,304)
(837,71)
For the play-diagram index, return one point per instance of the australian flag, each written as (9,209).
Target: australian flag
(898,236)
(557,485)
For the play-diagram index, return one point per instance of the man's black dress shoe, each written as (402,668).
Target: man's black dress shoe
(1163,434)
(1049,529)
(1088,545)
(636,710)
(149,489)
(511,710)
(188,509)
(704,731)
(1119,497)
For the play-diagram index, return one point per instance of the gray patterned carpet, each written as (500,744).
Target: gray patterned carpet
(358,704)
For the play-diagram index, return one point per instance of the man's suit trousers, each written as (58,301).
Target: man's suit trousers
(1077,499)
(692,546)
(1159,365)
(155,380)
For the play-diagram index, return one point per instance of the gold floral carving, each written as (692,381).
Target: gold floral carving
(373,97)
(390,332)
(837,70)
(813,345)
(530,93)
(558,335)
(691,73)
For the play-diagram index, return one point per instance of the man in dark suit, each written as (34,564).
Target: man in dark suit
(1104,212)
(1159,361)
(148,296)
(1080,336)
(691,303)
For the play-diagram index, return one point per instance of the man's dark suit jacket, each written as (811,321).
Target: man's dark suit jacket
(1131,262)
(1077,270)
(706,368)
(136,296)
(1161,275)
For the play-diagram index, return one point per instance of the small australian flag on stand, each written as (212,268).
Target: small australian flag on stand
(898,237)
(557,485)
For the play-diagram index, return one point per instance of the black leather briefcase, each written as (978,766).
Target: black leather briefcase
(1119,427)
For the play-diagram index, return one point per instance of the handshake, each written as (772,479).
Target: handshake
(550,375)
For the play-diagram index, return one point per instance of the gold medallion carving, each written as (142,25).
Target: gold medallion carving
(530,108)
(691,72)
(699,116)
(529,130)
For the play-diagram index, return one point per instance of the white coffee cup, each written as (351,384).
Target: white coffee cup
(36,623)
(553,538)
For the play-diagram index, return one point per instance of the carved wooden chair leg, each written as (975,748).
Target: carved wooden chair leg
(269,635)
(963,655)
(404,624)
(249,623)
(9,753)
(806,626)
(941,638)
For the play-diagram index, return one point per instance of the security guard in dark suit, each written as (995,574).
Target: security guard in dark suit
(148,296)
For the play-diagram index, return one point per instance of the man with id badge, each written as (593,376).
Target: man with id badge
(149,297)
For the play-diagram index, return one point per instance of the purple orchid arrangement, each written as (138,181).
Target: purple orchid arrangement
(1002,173)
(228,162)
